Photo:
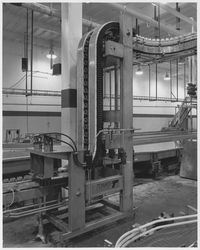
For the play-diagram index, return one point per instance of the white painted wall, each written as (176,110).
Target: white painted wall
(152,109)
(35,124)
(42,76)
(13,77)
(141,82)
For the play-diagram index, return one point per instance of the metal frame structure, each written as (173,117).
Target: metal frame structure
(85,191)
(102,162)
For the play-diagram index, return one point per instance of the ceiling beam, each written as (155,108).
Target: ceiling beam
(55,13)
(177,14)
(41,8)
(52,12)
(55,29)
(145,18)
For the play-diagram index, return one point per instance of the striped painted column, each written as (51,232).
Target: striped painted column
(71,28)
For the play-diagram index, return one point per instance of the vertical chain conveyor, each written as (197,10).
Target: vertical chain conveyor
(83,89)
(91,62)
(109,31)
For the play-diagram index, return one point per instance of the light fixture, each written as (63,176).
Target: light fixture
(51,54)
(167,77)
(139,71)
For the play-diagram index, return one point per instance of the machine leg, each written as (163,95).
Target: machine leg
(156,168)
(40,235)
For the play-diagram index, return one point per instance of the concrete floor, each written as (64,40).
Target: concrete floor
(170,194)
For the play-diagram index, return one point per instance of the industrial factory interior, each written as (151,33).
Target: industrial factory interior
(99,124)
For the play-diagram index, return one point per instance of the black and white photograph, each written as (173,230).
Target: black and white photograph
(99,124)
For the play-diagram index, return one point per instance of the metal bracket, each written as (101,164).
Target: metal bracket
(114,49)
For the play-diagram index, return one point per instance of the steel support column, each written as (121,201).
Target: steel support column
(126,109)
(71,35)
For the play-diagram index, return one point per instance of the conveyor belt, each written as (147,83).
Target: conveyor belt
(152,50)
(180,231)
(182,236)
(17,163)
(16,146)
(165,46)
(157,147)
(163,137)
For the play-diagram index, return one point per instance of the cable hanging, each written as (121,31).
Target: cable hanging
(56,139)
(56,133)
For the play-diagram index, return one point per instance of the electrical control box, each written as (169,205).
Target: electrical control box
(57,69)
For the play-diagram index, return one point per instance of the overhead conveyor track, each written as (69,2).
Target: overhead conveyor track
(165,45)
(161,50)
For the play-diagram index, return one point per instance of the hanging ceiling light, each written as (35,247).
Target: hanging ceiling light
(167,77)
(51,54)
(139,71)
